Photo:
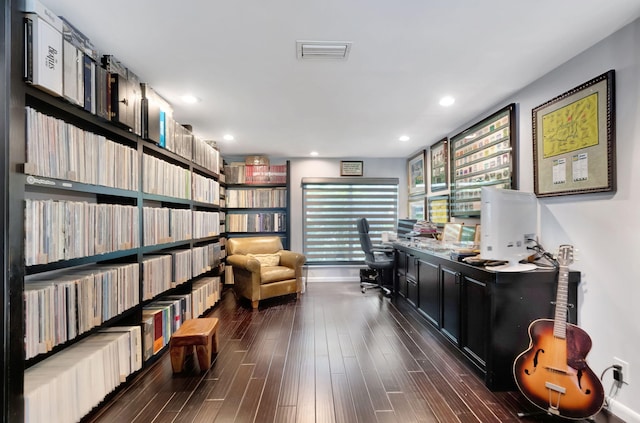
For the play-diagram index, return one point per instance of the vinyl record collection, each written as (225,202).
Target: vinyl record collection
(114,183)
(256,197)
(64,304)
(63,230)
(56,149)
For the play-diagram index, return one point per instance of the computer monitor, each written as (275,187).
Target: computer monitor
(509,221)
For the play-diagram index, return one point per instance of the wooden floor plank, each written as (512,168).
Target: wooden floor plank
(235,395)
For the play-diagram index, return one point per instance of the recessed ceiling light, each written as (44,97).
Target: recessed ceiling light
(447,101)
(404,138)
(313,153)
(228,137)
(190,99)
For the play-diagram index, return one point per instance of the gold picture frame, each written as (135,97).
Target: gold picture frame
(438,208)
(439,165)
(574,140)
(415,170)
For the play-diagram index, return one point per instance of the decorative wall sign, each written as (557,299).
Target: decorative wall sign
(350,168)
(574,140)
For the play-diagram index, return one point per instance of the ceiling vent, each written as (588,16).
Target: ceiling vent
(323,50)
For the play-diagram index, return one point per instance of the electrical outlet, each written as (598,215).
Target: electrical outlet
(626,373)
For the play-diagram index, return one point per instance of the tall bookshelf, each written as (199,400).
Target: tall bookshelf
(257,200)
(112,210)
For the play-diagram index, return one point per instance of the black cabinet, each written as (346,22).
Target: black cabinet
(485,314)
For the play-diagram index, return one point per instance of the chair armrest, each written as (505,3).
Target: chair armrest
(381,248)
(244,262)
(291,259)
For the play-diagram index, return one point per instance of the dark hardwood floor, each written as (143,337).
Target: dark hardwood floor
(335,355)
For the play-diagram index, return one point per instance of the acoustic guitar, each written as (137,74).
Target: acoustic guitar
(553,373)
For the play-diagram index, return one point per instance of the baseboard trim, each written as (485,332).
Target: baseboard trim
(622,411)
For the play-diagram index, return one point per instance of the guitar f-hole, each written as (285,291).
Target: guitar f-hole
(535,362)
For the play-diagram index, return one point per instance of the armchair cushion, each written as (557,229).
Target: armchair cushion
(266,259)
(270,274)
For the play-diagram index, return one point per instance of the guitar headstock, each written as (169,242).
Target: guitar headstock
(565,255)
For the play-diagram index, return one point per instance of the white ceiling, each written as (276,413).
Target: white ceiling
(239,58)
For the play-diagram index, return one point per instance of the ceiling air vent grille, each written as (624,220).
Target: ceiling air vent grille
(323,50)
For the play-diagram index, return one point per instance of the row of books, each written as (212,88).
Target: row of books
(157,275)
(61,305)
(164,271)
(161,318)
(66,386)
(206,155)
(256,222)
(206,190)
(59,150)
(61,230)
(164,225)
(205,224)
(241,173)
(256,197)
(207,257)
(163,178)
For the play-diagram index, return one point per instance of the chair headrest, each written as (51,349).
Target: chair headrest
(363,225)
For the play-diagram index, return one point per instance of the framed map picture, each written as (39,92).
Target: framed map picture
(574,140)
(415,168)
(416,208)
(439,155)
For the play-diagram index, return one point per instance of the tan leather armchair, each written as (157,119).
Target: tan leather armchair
(263,269)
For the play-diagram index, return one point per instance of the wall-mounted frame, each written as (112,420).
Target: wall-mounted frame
(351,168)
(415,169)
(574,140)
(439,165)
(485,154)
(438,208)
(417,208)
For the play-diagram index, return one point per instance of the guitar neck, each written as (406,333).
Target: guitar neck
(560,319)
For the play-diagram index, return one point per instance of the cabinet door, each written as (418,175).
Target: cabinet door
(412,279)
(401,272)
(429,291)
(450,303)
(475,321)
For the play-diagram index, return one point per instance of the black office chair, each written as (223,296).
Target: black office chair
(377,257)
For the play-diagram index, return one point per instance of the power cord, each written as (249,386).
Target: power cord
(542,254)
(618,381)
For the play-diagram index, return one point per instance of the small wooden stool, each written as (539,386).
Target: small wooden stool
(201,333)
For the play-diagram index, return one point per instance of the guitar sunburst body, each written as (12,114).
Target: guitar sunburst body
(553,373)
